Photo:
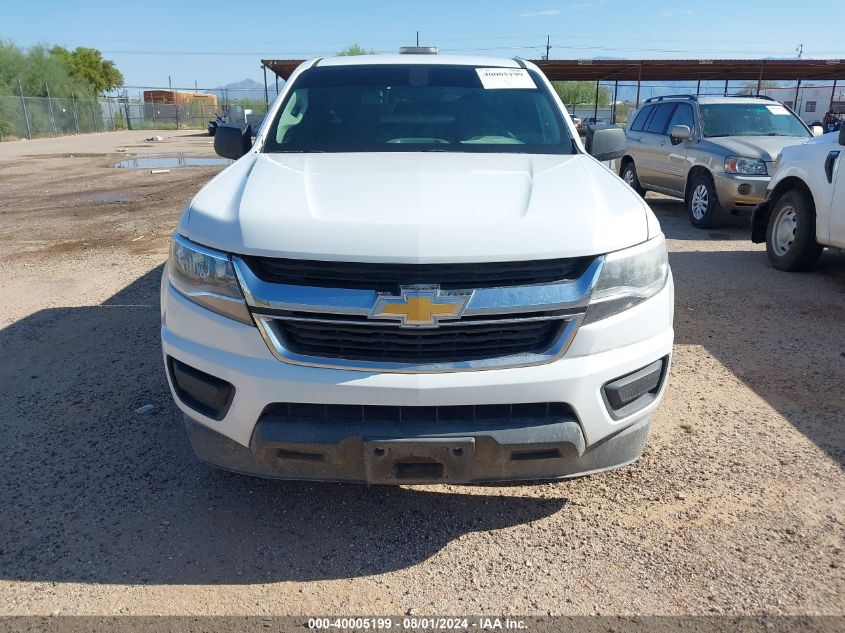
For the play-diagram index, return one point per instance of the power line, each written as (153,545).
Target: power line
(568,37)
(297,54)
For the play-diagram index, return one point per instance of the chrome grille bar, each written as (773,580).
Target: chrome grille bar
(508,300)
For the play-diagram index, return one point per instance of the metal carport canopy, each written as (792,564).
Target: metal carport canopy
(662,69)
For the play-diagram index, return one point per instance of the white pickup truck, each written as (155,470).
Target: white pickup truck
(804,210)
(417,273)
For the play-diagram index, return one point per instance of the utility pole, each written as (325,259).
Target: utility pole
(548,46)
(126,108)
(175,100)
(418,38)
(25,115)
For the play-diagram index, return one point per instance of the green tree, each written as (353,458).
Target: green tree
(35,68)
(355,49)
(88,65)
(581,93)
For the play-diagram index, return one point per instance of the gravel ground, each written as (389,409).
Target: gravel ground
(736,506)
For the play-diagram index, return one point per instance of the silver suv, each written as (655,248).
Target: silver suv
(714,152)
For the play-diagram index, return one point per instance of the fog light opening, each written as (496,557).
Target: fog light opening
(206,394)
(632,392)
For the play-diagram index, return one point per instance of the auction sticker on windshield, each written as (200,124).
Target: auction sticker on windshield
(493,78)
(777,109)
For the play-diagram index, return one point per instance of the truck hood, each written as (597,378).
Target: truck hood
(765,148)
(422,207)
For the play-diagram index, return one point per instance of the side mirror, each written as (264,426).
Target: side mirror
(231,141)
(605,141)
(817,130)
(681,133)
(842,134)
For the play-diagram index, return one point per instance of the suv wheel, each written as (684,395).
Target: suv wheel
(629,175)
(791,235)
(702,203)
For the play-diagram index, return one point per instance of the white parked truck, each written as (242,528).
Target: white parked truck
(804,210)
(417,273)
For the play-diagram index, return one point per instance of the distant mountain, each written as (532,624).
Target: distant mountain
(246,89)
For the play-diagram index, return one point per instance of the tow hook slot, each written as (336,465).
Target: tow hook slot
(419,460)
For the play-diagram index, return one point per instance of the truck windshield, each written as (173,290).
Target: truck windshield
(401,108)
(750,119)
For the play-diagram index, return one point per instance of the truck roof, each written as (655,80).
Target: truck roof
(737,99)
(415,59)
(731,99)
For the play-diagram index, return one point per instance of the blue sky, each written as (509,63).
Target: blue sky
(213,44)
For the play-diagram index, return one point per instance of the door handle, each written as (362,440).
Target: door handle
(828,164)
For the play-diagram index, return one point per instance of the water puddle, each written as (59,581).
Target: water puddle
(109,197)
(162,161)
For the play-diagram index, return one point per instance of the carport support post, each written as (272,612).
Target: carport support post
(52,116)
(832,96)
(596,109)
(795,103)
(639,77)
(25,115)
(726,87)
(266,96)
(613,107)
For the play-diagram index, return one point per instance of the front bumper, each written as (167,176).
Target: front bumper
(474,454)
(247,440)
(740,193)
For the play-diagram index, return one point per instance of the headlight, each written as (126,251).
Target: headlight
(629,277)
(206,277)
(745,166)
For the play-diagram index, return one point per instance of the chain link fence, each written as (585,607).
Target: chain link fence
(40,117)
(35,117)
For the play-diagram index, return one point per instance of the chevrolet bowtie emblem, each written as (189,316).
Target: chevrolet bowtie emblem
(419,306)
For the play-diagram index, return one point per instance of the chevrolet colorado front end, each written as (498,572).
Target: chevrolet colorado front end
(417,274)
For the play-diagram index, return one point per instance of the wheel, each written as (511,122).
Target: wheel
(629,175)
(703,206)
(791,234)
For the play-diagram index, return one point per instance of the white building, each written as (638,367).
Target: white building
(813,101)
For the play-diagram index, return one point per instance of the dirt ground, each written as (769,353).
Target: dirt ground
(736,506)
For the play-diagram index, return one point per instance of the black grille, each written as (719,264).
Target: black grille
(389,277)
(441,345)
(356,413)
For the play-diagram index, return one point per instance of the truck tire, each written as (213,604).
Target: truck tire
(791,234)
(703,206)
(628,173)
